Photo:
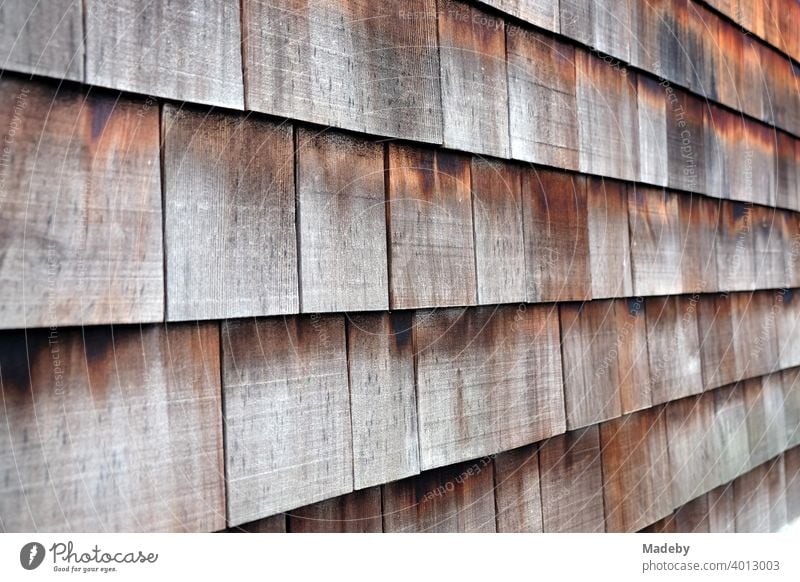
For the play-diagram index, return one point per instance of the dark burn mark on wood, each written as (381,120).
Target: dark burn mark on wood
(98,342)
(14,357)
(401,322)
(101,111)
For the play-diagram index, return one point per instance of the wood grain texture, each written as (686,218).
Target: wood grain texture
(652,111)
(287,414)
(655,234)
(751,78)
(572,482)
(787,172)
(715,331)
(447,500)
(686,141)
(472,58)
(791,234)
(636,474)
(608,127)
(770,248)
(543,116)
(693,517)
(609,238)
(723,132)
(755,342)
(792,476)
(732,444)
(766,428)
(660,29)
(357,512)
(111,430)
(229,216)
(724,51)
(431,248)
(611,28)
(752,501)
(606,372)
(556,236)
(80,208)
(776,486)
(759,154)
(791,406)
(342,223)
(699,218)
(787,327)
(721,510)
(497,213)
(273,524)
(43,39)
(364,66)
(382,397)
(736,247)
(488,380)
(517,491)
(673,347)
(691,443)
(194,46)
(542,13)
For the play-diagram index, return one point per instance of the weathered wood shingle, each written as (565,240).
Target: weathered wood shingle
(229,216)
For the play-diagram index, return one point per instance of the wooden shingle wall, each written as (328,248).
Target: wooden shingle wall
(408,266)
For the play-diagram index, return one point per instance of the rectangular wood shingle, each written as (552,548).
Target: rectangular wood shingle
(732,444)
(383,402)
(43,38)
(81,208)
(499,236)
(543,115)
(341,223)
(229,216)
(572,482)
(556,236)
(112,429)
(542,13)
(287,414)
(636,473)
(431,248)
(364,66)
(609,238)
(488,380)
(517,492)
(651,98)
(187,50)
(715,331)
(472,57)
(357,512)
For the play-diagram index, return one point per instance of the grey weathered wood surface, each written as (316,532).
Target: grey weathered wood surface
(431,247)
(359,65)
(472,58)
(609,238)
(606,371)
(287,414)
(636,473)
(357,512)
(229,216)
(517,492)
(686,142)
(766,428)
(732,443)
(715,331)
(572,482)
(42,38)
(383,404)
(556,236)
(721,510)
(770,248)
(699,220)
(542,104)
(735,247)
(341,223)
(659,30)
(776,487)
(787,172)
(656,249)
(608,128)
(754,333)
(691,441)
(673,347)
(447,500)
(499,235)
(81,208)
(488,380)
(651,103)
(184,50)
(752,501)
(111,430)
(791,406)
(542,13)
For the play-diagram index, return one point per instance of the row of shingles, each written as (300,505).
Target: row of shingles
(620,476)
(112,429)
(555,220)
(762,500)
(561,94)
